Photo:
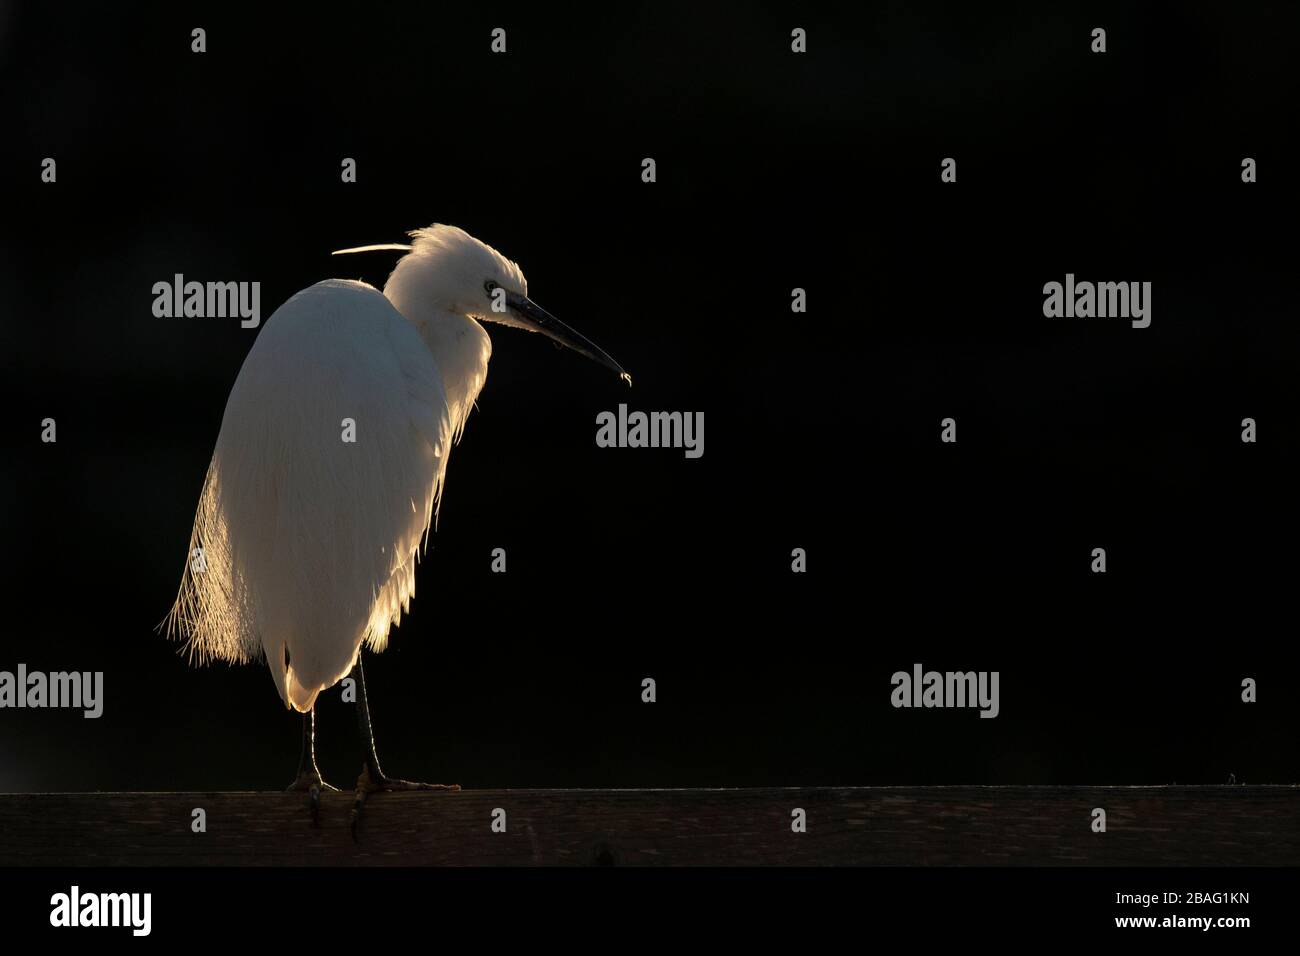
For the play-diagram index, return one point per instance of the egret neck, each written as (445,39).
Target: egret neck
(459,344)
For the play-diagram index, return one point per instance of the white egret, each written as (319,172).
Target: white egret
(329,466)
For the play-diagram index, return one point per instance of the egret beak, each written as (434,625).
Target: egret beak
(534,317)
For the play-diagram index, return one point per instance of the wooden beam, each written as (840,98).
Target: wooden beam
(911,826)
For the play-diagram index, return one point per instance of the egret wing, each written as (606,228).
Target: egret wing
(325,478)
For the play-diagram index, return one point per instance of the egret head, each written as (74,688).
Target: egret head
(448,269)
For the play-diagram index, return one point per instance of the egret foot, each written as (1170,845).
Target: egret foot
(373,779)
(369,783)
(309,778)
(311,782)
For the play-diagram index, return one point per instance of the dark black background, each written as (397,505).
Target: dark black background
(774,171)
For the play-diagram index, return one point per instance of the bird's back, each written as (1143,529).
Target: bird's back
(324,480)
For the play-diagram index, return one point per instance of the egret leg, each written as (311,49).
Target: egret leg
(309,777)
(373,778)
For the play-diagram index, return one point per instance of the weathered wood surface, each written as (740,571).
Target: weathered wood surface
(909,826)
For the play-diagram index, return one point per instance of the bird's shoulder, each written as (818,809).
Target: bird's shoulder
(342,300)
(343,315)
(343,339)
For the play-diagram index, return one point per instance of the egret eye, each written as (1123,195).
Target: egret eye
(489,286)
